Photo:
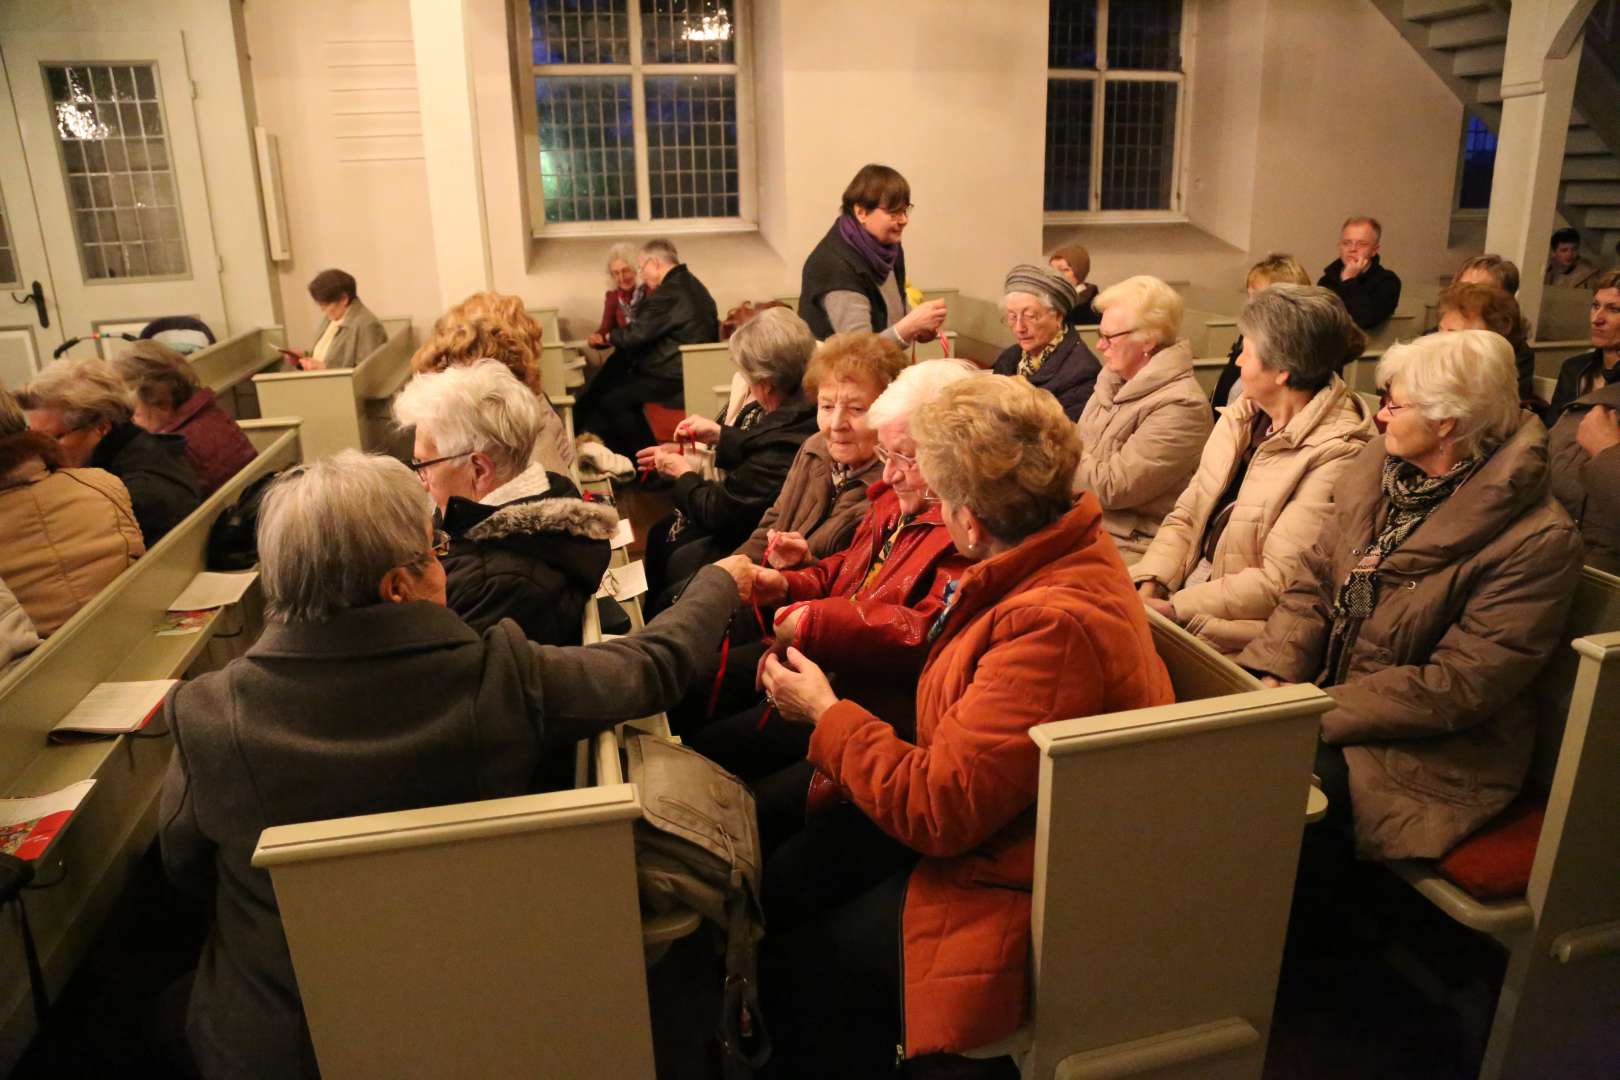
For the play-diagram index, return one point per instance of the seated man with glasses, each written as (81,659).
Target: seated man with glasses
(1048,353)
(865,613)
(520,544)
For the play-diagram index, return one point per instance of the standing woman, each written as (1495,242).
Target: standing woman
(855,279)
(348,333)
(1035,306)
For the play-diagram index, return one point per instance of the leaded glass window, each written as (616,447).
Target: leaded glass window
(1115,86)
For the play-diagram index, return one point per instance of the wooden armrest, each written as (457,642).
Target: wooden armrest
(1501,918)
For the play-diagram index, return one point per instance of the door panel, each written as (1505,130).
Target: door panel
(24,342)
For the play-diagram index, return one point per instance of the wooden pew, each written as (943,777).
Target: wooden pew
(110,639)
(1564,313)
(705,373)
(1150,946)
(227,367)
(497,938)
(346,408)
(1550,355)
(1561,994)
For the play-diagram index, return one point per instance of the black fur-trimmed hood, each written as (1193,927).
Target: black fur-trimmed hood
(531,503)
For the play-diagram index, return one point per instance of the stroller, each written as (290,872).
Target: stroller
(182,333)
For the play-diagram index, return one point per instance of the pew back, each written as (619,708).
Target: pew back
(344,408)
(705,371)
(227,367)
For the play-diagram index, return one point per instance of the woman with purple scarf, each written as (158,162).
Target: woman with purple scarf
(855,279)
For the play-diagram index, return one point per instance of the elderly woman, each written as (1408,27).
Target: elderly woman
(825,493)
(66,532)
(755,451)
(1430,600)
(1274,269)
(491,325)
(523,545)
(1035,304)
(621,296)
(367,696)
(83,405)
(1073,261)
(169,400)
(1265,483)
(1041,627)
(1585,441)
(348,333)
(1142,429)
(1486,307)
(855,279)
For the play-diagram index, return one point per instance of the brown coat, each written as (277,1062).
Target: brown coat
(67,532)
(1140,441)
(1433,717)
(1589,487)
(809,506)
(1285,498)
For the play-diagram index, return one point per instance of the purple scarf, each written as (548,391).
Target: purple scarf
(880,257)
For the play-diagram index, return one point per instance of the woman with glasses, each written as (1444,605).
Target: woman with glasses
(863,612)
(1035,306)
(855,279)
(1433,593)
(1266,481)
(364,695)
(522,545)
(1142,430)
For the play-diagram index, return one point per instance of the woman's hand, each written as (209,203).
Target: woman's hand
(786,550)
(666,460)
(770,587)
(698,429)
(742,572)
(1599,431)
(1274,682)
(922,322)
(1163,607)
(797,688)
(646,457)
(597,341)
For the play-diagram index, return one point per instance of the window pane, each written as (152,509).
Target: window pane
(587,148)
(1145,35)
(580,31)
(1068,143)
(692,146)
(1071,40)
(687,32)
(1479,165)
(1139,133)
(8,259)
(90,128)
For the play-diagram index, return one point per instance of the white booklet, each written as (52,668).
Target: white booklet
(624,582)
(212,590)
(115,708)
(30,824)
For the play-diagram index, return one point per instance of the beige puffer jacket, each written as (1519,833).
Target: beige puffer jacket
(1140,442)
(1285,498)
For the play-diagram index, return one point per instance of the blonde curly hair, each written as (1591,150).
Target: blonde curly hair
(858,356)
(485,326)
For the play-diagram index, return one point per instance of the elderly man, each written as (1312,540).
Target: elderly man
(1566,265)
(1370,290)
(1035,306)
(523,545)
(646,362)
(365,695)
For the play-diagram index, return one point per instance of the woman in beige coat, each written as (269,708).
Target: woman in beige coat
(1265,483)
(1141,432)
(1436,593)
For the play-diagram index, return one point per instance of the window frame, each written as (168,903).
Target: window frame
(526,71)
(1100,77)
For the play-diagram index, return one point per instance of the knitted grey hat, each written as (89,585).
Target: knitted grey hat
(1040,281)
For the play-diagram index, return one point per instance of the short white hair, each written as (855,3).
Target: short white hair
(1156,306)
(1467,376)
(624,251)
(662,250)
(479,408)
(915,387)
(331,530)
(773,347)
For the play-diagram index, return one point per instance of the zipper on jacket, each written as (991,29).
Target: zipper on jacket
(900,943)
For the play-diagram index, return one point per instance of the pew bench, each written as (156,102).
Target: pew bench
(228,367)
(112,638)
(344,408)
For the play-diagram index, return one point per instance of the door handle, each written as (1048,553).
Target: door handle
(37,298)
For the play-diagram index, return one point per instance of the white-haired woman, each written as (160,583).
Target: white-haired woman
(754,452)
(1266,481)
(1035,306)
(84,406)
(1142,430)
(1433,595)
(618,303)
(523,544)
(366,695)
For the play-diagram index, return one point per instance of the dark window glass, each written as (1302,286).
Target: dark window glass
(1139,134)
(1071,40)
(1069,105)
(580,31)
(587,148)
(692,146)
(1144,35)
(687,32)
(1479,165)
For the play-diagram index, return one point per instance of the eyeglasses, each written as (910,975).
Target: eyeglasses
(421,467)
(1025,318)
(900,211)
(441,543)
(60,436)
(1108,339)
(1389,406)
(902,460)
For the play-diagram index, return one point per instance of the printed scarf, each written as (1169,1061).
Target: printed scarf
(1030,363)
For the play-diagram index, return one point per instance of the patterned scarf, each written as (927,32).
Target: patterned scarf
(1412,496)
(884,553)
(1030,363)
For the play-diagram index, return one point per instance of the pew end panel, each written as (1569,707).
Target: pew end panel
(343,408)
(417,936)
(1173,946)
(704,367)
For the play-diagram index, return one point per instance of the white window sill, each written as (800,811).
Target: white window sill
(1116,217)
(605,230)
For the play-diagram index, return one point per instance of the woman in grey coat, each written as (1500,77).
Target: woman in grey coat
(366,695)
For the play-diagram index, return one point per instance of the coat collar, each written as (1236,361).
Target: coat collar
(1331,412)
(534,501)
(1165,366)
(185,414)
(375,630)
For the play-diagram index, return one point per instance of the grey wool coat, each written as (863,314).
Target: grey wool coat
(382,708)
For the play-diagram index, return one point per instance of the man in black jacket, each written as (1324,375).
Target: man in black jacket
(1370,291)
(646,362)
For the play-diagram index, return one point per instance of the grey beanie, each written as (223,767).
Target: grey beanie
(1041,281)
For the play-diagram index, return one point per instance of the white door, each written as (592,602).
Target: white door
(110,146)
(29,328)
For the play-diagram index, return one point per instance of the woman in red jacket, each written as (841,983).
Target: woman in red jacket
(900,919)
(168,399)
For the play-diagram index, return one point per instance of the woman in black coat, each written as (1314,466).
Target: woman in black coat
(1035,303)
